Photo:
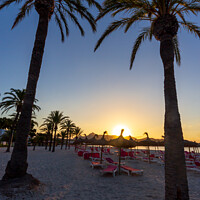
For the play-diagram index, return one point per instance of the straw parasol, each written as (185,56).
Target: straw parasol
(78,141)
(93,139)
(121,142)
(85,140)
(190,144)
(101,142)
(147,142)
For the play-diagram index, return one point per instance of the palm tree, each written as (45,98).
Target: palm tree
(77,132)
(63,134)
(61,10)
(48,129)
(69,126)
(165,18)
(15,99)
(6,123)
(55,118)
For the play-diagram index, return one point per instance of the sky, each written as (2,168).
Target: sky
(96,89)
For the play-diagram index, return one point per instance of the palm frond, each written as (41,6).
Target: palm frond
(62,16)
(75,20)
(145,34)
(8,2)
(191,28)
(25,10)
(112,27)
(177,51)
(58,22)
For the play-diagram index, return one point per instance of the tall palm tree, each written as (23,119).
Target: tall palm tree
(165,18)
(69,126)
(6,123)
(55,118)
(15,99)
(77,132)
(63,134)
(48,129)
(62,10)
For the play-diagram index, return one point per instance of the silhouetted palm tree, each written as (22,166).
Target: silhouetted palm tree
(48,129)
(15,99)
(6,123)
(63,134)
(61,10)
(55,118)
(77,132)
(165,17)
(69,126)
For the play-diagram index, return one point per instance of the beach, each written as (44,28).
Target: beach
(64,175)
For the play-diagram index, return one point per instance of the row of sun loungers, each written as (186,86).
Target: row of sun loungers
(192,159)
(112,169)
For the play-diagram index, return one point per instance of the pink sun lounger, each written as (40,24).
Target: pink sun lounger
(132,171)
(94,164)
(111,161)
(109,169)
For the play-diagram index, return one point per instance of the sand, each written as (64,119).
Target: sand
(64,175)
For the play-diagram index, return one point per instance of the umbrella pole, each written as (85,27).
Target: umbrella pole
(148,153)
(119,160)
(101,153)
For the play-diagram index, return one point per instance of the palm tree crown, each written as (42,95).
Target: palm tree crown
(164,16)
(68,125)
(61,10)
(15,99)
(55,118)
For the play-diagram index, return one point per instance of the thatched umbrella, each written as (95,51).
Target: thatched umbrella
(78,141)
(133,142)
(121,142)
(147,142)
(189,144)
(101,142)
(92,140)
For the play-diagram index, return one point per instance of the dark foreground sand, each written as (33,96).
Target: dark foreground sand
(65,176)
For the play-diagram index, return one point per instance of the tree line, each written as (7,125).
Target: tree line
(48,132)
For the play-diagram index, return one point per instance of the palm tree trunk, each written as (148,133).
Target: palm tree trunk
(66,140)
(176,185)
(12,131)
(120,151)
(54,141)
(69,140)
(50,144)
(17,166)
(46,142)
(62,142)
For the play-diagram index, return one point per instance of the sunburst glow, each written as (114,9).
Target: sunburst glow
(117,130)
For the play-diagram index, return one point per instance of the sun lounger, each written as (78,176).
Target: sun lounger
(94,164)
(111,161)
(109,169)
(132,171)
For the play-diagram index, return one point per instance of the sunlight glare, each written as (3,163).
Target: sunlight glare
(117,130)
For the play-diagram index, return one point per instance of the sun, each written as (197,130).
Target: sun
(118,128)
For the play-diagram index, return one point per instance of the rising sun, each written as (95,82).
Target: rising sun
(117,130)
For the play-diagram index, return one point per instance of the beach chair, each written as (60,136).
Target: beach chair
(111,161)
(131,155)
(130,170)
(94,164)
(111,169)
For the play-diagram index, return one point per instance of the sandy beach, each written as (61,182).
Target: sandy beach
(64,175)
